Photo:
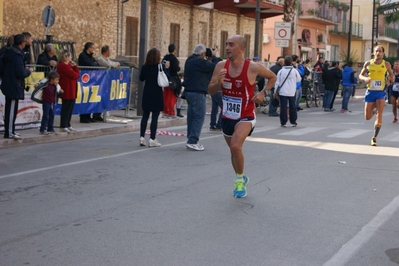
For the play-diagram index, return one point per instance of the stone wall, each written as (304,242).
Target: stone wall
(104,22)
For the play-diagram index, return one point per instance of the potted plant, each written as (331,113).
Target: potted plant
(344,7)
(310,11)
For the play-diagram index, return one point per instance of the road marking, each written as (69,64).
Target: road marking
(391,137)
(350,133)
(302,131)
(356,243)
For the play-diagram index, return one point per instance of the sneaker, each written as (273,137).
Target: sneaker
(180,115)
(373,142)
(65,130)
(51,132)
(283,125)
(71,129)
(16,137)
(196,147)
(275,114)
(142,141)
(294,125)
(395,120)
(154,143)
(17,134)
(44,132)
(212,128)
(240,190)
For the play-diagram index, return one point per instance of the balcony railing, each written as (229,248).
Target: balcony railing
(322,9)
(388,32)
(343,28)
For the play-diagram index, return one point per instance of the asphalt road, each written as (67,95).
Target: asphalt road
(318,194)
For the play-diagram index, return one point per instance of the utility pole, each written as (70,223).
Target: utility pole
(142,49)
(348,56)
(257,23)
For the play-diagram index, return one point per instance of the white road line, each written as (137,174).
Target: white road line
(349,249)
(391,137)
(302,131)
(350,133)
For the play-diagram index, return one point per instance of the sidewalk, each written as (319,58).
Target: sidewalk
(117,122)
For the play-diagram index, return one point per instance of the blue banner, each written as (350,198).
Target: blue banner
(101,90)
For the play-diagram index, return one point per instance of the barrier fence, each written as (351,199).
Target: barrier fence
(99,89)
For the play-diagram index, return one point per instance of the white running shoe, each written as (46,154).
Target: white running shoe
(142,141)
(65,130)
(71,129)
(196,147)
(154,143)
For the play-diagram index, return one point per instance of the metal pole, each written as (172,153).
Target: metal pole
(257,22)
(142,49)
(372,30)
(349,32)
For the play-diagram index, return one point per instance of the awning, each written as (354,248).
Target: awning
(306,49)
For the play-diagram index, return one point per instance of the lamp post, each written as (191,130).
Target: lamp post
(257,22)
(349,31)
(142,49)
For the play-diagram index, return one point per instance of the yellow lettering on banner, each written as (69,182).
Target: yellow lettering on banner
(122,91)
(85,94)
(95,98)
(112,93)
(79,94)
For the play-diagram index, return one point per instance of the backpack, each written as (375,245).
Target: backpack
(37,94)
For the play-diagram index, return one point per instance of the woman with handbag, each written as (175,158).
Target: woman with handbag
(152,100)
(287,78)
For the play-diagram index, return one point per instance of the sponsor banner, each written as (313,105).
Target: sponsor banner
(97,91)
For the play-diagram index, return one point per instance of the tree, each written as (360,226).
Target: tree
(289,15)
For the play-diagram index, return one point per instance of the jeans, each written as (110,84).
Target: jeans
(272,109)
(298,96)
(283,109)
(48,117)
(347,92)
(327,98)
(216,103)
(196,108)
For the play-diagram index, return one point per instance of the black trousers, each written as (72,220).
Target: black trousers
(10,115)
(66,113)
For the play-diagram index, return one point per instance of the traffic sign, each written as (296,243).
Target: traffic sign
(282,43)
(282,30)
(48,16)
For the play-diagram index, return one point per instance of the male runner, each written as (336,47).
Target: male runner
(395,92)
(236,78)
(374,74)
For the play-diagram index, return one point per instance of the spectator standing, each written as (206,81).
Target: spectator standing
(86,59)
(103,59)
(48,58)
(26,49)
(179,101)
(13,74)
(197,73)
(49,99)
(329,77)
(69,73)
(287,91)
(275,69)
(237,77)
(319,66)
(169,93)
(152,100)
(337,82)
(298,95)
(395,92)
(348,80)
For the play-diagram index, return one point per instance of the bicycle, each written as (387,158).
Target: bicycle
(266,100)
(313,95)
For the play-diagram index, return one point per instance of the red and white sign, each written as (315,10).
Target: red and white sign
(282,30)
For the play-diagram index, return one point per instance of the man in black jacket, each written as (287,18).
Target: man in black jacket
(329,77)
(13,74)
(26,49)
(48,58)
(275,69)
(86,59)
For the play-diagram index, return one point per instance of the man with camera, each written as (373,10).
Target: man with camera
(198,70)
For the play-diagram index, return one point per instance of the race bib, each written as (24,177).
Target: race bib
(395,86)
(376,85)
(232,107)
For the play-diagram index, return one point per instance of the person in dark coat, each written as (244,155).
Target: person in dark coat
(152,101)
(169,94)
(48,58)
(13,74)
(86,59)
(329,77)
(26,49)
